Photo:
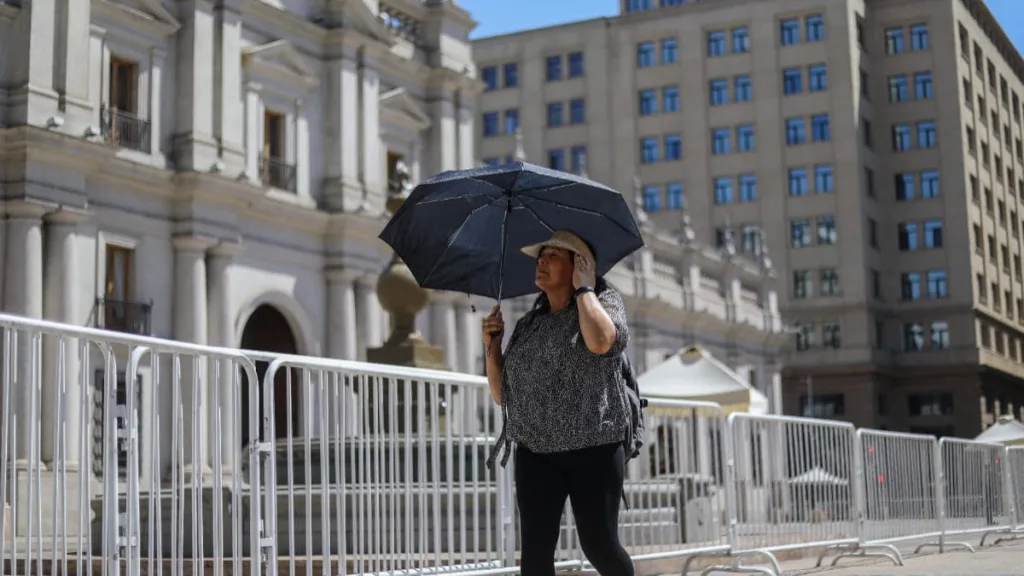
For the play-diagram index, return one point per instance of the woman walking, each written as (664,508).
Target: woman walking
(560,385)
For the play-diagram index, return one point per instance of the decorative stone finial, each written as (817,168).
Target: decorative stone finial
(728,242)
(520,153)
(762,253)
(638,203)
(686,233)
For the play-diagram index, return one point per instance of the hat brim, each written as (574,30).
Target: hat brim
(533,251)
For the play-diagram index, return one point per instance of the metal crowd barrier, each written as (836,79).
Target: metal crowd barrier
(127,454)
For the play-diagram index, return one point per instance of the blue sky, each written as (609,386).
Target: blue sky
(503,16)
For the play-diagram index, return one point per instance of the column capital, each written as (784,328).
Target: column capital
(191,243)
(344,275)
(367,280)
(25,210)
(67,216)
(227,250)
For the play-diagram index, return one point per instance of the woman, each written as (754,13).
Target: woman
(560,385)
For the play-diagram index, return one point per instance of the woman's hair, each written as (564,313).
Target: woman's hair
(541,304)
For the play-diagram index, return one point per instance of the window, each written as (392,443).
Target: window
(897,89)
(670,99)
(919,37)
(511,73)
(940,335)
(829,279)
(815,28)
(648,102)
(720,141)
(577,111)
(803,287)
(913,337)
(555,114)
(490,123)
(798,182)
(556,159)
(873,233)
(805,337)
(900,137)
(821,129)
(669,51)
(673,147)
(719,90)
(118,314)
(789,32)
(817,78)
(554,68)
(937,284)
(740,40)
(823,181)
(795,131)
(576,67)
(826,230)
(674,196)
(489,74)
(792,81)
(894,41)
(800,233)
(910,286)
(648,150)
(122,81)
(750,239)
(716,43)
(926,134)
(748,188)
(645,55)
(578,159)
(904,187)
(923,85)
(745,138)
(273,148)
(652,198)
(869,182)
(907,236)
(722,235)
(511,121)
(723,190)
(639,5)
(743,89)
(930,184)
(933,234)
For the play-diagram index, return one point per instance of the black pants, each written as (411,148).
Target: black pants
(592,480)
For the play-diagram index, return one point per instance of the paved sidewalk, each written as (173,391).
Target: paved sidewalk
(1006,559)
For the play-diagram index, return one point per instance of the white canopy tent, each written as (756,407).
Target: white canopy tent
(693,374)
(1007,430)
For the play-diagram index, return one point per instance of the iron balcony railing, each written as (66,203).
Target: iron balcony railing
(122,316)
(124,129)
(277,173)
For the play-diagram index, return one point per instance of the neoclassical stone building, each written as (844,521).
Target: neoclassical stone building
(215,171)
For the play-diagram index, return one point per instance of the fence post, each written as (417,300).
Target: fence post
(731,508)
(859,479)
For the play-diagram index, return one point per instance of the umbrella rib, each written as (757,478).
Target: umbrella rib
(462,196)
(538,217)
(578,209)
(451,241)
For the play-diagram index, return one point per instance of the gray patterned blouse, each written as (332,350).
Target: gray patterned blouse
(556,394)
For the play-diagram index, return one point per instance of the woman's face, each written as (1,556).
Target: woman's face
(554,268)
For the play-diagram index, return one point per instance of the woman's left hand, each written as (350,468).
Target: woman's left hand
(583,273)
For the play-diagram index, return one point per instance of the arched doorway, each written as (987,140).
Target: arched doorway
(267,330)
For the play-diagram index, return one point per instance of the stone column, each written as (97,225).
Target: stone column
(342,344)
(190,325)
(343,189)
(156,70)
(225,393)
(302,156)
(466,147)
(370,144)
(61,392)
(368,315)
(195,148)
(230,127)
(23,295)
(75,77)
(443,135)
(468,339)
(443,328)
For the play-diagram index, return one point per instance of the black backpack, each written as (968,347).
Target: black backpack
(635,428)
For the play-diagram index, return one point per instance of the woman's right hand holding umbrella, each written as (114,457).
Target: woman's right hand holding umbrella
(493,327)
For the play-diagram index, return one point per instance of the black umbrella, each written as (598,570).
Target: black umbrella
(462,230)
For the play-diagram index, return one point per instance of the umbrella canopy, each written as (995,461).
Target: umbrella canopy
(463,230)
(1007,430)
(693,374)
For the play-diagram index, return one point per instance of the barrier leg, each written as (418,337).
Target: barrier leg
(887,551)
(737,567)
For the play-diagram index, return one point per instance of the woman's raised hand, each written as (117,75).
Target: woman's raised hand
(493,327)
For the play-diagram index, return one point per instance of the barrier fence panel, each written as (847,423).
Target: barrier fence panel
(675,488)
(119,454)
(380,469)
(974,491)
(1015,468)
(899,480)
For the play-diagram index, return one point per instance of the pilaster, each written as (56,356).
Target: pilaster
(156,71)
(230,127)
(442,153)
(195,148)
(302,155)
(74,77)
(343,190)
(466,145)
(372,174)
(253,127)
